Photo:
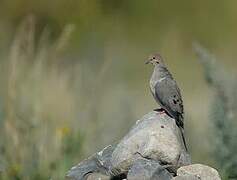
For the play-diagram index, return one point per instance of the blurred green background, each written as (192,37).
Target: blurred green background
(73,79)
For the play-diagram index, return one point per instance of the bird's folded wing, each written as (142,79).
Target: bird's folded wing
(168,94)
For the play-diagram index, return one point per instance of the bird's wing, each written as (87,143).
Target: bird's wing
(169,96)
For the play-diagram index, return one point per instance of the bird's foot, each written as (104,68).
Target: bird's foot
(160,110)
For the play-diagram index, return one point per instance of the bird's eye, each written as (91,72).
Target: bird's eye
(153,58)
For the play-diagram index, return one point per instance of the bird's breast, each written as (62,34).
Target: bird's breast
(153,82)
(152,86)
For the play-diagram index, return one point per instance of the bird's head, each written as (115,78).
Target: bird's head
(155,59)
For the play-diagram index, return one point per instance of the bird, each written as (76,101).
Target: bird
(166,92)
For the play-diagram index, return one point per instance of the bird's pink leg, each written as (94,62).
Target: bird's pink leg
(160,110)
(163,112)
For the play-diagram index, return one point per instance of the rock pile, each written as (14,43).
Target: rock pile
(152,150)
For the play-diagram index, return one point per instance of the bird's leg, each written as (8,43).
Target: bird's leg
(160,110)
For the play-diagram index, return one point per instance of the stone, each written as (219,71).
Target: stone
(144,169)
(97,176)
(155,136)
(187,177)
(99,162)
(199,170)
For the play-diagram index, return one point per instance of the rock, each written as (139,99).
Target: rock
(153,149)
(156,136)
(199,170)
(187,177)
(99,162)
(97,176)
(144,169)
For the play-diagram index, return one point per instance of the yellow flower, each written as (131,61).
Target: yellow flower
(63,131)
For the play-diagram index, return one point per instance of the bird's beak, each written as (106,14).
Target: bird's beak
(148,61)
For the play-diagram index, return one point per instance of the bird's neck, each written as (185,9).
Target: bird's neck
(160,71)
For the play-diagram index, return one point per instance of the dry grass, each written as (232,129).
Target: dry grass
(55,112)
(39,111)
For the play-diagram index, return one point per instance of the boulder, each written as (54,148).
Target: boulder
(152,149)
(187,177)
(144,169)
(97,176)
(99,162)
(155,136)
(199,170)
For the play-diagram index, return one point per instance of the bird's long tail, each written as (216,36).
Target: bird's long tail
(183,137)
(180,124)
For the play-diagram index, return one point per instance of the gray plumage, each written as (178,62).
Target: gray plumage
(166,91)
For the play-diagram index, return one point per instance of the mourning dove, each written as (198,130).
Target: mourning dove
(166,91)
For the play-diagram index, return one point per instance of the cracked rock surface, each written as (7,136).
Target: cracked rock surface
(97,163)
(143,169)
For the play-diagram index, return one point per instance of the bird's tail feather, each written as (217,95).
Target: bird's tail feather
(181,127)
(183,137)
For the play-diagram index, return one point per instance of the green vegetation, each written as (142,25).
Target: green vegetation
(35,127)
(223,112)
(49,119)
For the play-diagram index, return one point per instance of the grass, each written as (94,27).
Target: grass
(223,112)
(39,108)
(55,110)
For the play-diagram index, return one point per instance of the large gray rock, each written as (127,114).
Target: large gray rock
(144,169)
(153,149)
(156,136)
(187,177)
(199,170)
(99,162)
(97,176)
